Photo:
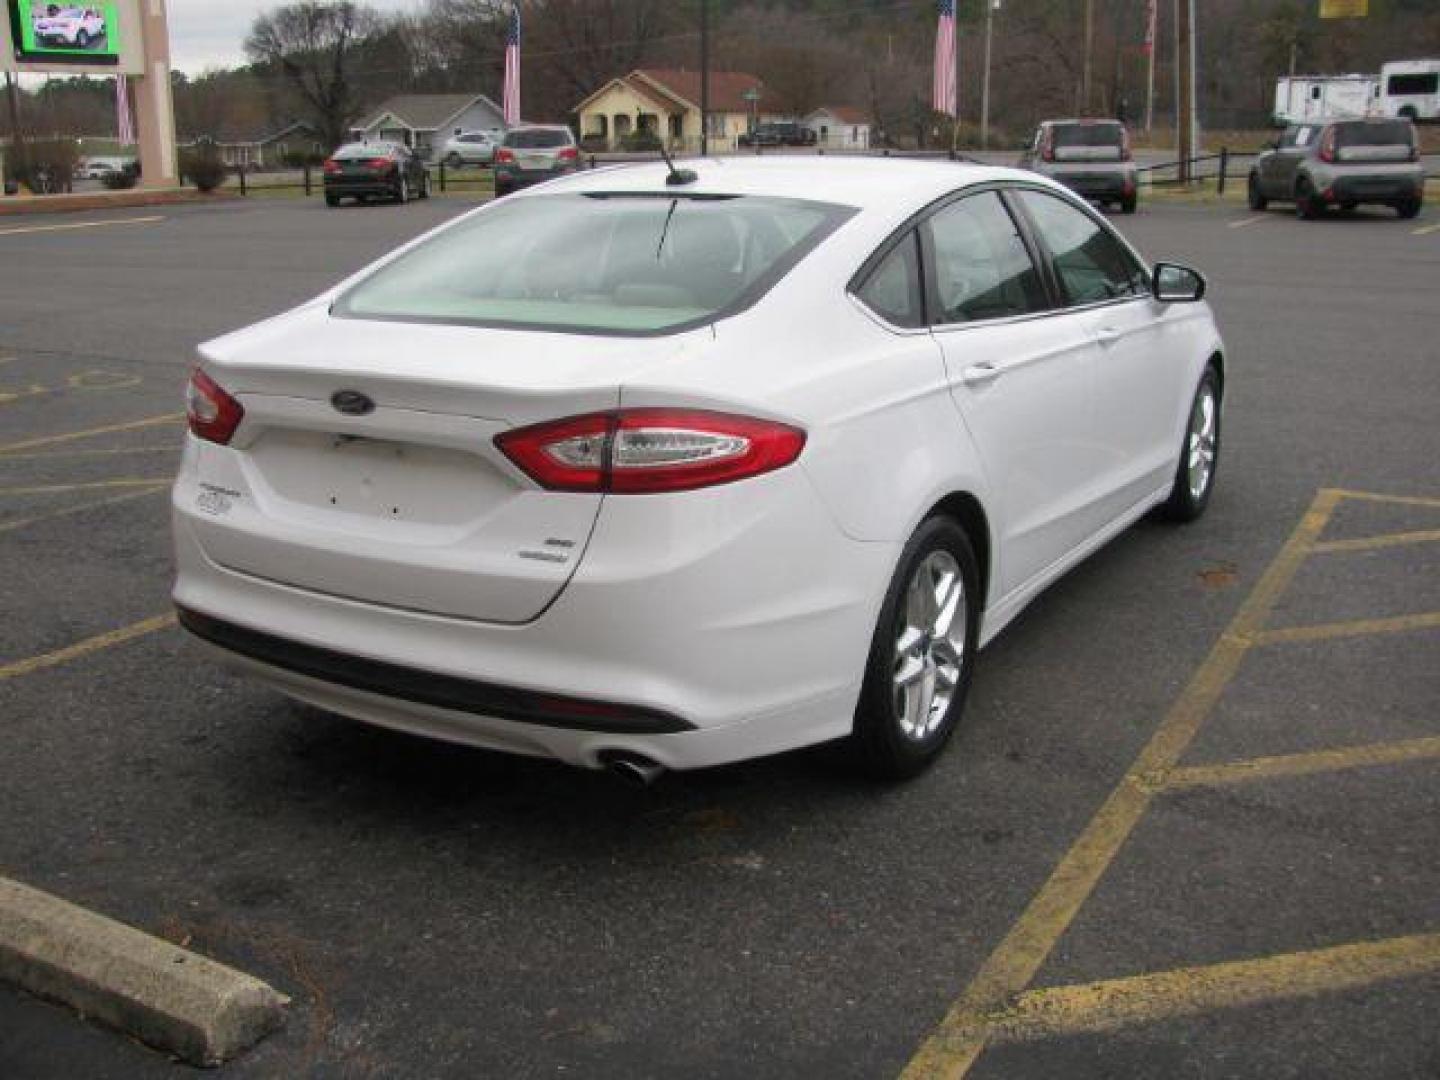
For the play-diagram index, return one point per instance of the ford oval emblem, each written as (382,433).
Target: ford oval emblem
(352,403)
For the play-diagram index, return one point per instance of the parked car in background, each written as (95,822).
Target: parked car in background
(470,148)
(97,168)
(1091,157)
(365,171)
(779,133)
(642,473)
(532,154)
(1341,163)
(69,27)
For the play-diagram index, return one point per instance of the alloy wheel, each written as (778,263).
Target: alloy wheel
(1201,442)
(930,645)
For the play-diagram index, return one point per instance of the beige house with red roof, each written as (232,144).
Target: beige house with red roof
(666,104)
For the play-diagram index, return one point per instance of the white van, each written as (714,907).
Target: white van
(1410,88)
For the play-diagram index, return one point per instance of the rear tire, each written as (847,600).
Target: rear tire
(425,186)
(454,161)
(1409,208)
(1308,206)
(402,191)
(332,200)
(1199,453)
(1256,200)
(921,656)
(1128,205)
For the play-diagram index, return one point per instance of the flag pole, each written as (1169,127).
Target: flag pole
(955,59)
(1153,37)
(990,6)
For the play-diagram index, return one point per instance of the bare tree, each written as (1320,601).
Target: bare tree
(315,47)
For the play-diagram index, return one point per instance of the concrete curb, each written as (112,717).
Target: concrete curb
(173,999)
(110,200)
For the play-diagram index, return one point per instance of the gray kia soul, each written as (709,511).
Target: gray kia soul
(1091,157)
(1325,163)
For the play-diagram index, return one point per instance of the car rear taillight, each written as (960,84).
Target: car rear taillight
(1327,146)
(569,154)
(505,156)
(1126,153)
(647,451)
(379,164)
(332,167)
(1047,145)
(212,413)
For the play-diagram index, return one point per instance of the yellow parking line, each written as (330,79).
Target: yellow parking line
(70,436)
(20,523)
(114,451)
(1373,543)
(80,225)
(1245,222)
(92,485)
(1426,230)
(1401,500)
(1165,995)
(17,668)
(956,1043)
(1318,761)
(1354,628)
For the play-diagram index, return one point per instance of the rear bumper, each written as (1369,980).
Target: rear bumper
(512,177)
(1374,189)
(361,187)
(1113,184)
(732,623)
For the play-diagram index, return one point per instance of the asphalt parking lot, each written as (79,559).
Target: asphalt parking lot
(1191,827)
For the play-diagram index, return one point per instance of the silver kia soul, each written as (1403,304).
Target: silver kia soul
(1325,163)
(1091,157)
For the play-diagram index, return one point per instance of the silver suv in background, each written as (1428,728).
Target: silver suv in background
(1325,163)
(532,154)
(470,148)
(1091,157)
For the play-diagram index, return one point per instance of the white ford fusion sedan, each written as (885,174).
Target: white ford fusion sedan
(643,469)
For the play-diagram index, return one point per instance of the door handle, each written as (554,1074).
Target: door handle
(1108,335)
(981,374)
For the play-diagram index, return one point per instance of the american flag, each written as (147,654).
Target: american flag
(1151,18)
(511,106)
(943,99)
(124,118)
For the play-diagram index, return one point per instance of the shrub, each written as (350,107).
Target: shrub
(594,144)
(203,167)
(122,179)
(642,140)
(49,165)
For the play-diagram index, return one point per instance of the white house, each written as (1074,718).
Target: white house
(840,127)
(424,121)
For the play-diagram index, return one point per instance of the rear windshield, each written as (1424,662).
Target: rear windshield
(1374,133)
(1067,135)
(537,140)
(619,264)
(359,152)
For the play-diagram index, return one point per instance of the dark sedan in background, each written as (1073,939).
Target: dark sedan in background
(365,171)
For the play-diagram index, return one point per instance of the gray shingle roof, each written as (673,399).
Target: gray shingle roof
(425,112)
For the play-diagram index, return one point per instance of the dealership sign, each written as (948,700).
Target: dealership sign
(47,35)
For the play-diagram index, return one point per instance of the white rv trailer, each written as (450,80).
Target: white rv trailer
(1410,88)
(1310,97)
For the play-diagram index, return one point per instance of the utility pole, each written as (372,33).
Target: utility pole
(1185,58)
(1153,41)
(704,78)
(1089,47)
(990,8)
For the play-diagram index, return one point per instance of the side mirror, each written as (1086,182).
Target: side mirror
(1174,284)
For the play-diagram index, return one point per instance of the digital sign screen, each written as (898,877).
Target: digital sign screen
(66,33)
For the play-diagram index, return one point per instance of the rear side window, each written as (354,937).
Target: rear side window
(892,290)
(621,263)
(982,268)
(1413,84)
(1092,265)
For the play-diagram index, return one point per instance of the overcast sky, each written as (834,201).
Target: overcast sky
(211,33)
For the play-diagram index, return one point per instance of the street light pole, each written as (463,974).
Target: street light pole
(1089,46)
(704,78)
(990,8)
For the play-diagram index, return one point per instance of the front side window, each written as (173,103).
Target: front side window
(982,268)
(598,263)
(1092,265)
(892,290)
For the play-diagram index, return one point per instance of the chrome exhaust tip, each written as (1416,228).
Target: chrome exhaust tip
(635,769)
